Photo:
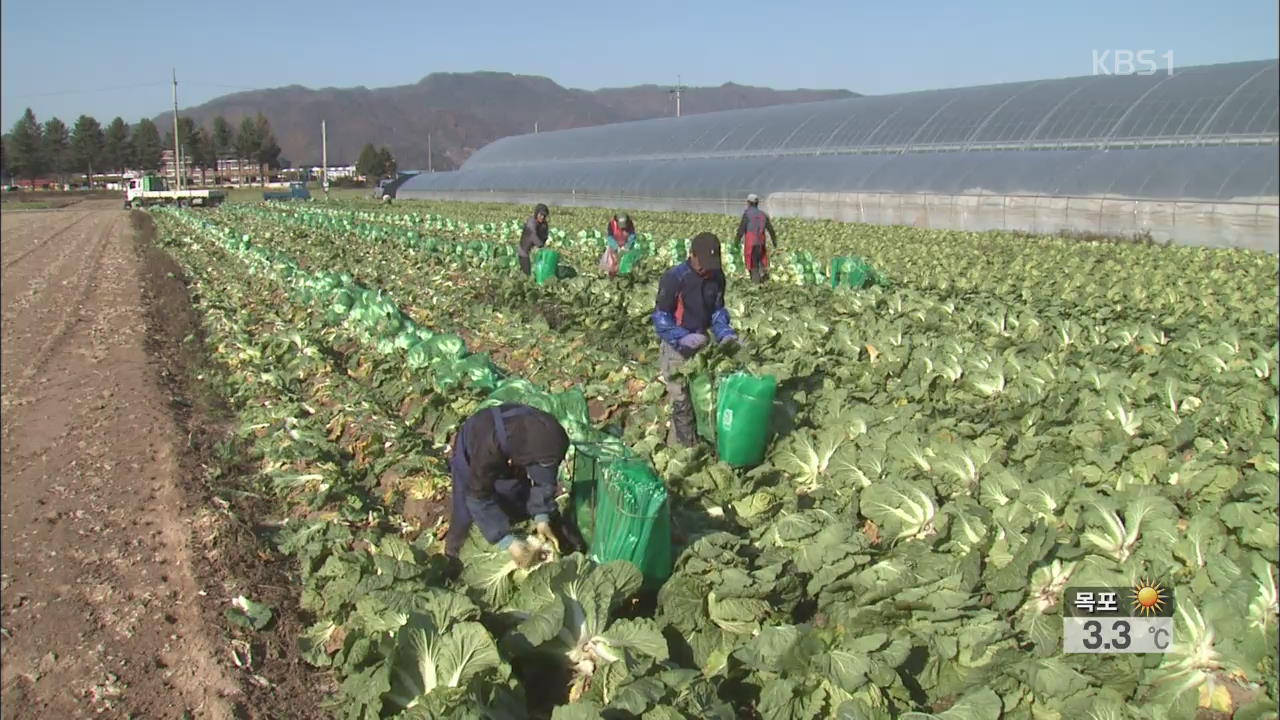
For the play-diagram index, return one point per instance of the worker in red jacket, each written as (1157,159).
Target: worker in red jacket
(752,230)
(620,238)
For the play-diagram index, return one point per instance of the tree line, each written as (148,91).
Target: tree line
(32,150)
(375,163)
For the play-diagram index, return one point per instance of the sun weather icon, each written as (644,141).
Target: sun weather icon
(1148,598)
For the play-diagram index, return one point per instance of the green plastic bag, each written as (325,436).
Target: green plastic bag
(446,347)
(478,371)
(837,270)
(857,273)
(418,356)
(633,520)
(700,392)
(628,262)
(744,407)
(589,461)
(548,261)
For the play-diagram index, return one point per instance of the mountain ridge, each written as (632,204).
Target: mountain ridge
(462,112)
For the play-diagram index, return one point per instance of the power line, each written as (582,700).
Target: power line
(222,85)
(86,92)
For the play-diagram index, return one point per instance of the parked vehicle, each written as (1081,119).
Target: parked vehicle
(296,191)
(152,190)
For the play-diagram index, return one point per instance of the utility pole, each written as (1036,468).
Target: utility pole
(676,91)
(535,127)
(429,167)
(324,159)
(177,142)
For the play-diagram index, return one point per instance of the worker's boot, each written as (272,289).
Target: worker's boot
(684,426)
(453,540)
(569,536)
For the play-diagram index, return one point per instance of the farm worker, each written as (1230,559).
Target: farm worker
(755,223)
(534,235)
(505,463)
(620,237)
(690,305)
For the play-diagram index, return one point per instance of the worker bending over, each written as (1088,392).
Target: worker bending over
(534,235)
(690,305)
(505,465)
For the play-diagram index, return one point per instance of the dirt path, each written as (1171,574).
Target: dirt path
(100,609)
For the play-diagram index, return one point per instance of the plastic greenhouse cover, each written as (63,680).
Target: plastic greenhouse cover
(1191,105)
(1207,173)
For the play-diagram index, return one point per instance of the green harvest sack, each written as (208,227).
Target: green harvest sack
(703,398)
(445,347)
(629,260)
(857,273)
(744,407)
(837,270)
(545,266)
(633,520)
(589,461)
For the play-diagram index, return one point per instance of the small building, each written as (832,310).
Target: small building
(44,183)
(335,171)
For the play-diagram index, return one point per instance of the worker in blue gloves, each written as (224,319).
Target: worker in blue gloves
(689,307)
(620,238)
(505,464)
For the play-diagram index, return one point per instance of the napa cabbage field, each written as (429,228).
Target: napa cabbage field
(989,420)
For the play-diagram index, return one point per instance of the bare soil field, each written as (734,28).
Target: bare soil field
(114,565)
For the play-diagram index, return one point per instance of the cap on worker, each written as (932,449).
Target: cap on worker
(542,210)
(753,198)
(622,218)
(544,441)
(706,247)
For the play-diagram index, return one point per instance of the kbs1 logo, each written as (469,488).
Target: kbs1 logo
(1131,62)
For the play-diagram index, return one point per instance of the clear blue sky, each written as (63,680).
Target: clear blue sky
(107,58)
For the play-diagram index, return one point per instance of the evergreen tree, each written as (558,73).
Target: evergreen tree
(87,143)
(25,149)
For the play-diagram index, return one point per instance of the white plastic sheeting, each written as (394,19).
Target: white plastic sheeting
(1189,157)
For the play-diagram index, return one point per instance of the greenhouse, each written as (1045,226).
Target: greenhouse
(1189,157)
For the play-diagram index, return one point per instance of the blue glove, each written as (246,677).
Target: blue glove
(730,338)
(693,341)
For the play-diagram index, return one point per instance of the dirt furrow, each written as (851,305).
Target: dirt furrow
(20,290)
(101,613)
(43,243)
(85,281)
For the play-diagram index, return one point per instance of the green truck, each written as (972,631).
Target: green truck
(152,190)
(296,191)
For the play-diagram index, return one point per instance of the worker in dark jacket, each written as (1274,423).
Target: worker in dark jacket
(620,237)
(505,464)
(534,235)
(755,223)
(690,305)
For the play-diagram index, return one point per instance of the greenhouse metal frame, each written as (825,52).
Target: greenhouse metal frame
(1189,157)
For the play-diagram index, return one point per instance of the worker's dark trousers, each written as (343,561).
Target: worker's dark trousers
(684,426)
(512,495)
(758,271)
(525,266)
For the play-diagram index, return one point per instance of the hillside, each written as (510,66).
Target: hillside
(462,112)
